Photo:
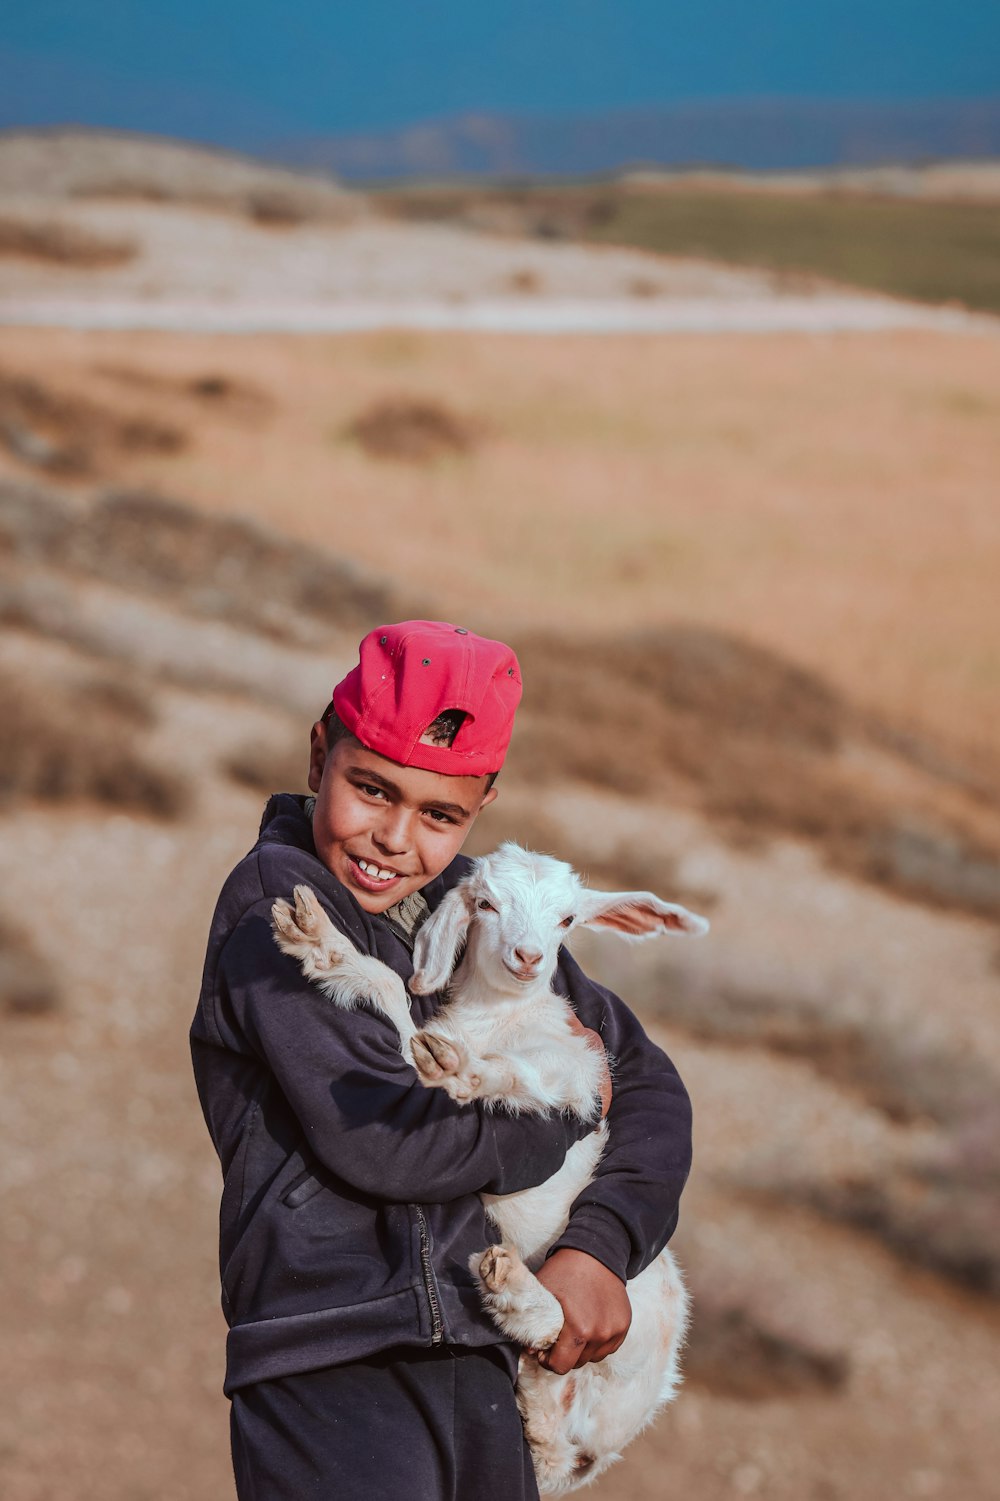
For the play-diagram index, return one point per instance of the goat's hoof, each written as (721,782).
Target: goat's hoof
(310,918)
(284,925)
(436,1056)
(424,1061)
(305,932)
(297,927)
(495,1268)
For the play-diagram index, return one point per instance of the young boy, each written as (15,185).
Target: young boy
(359,1362)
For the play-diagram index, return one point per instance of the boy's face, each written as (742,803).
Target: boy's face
(403,823)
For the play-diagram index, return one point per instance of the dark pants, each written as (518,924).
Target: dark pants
(409,1425)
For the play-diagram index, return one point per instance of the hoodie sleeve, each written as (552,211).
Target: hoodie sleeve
(627,1214)
(364,1113)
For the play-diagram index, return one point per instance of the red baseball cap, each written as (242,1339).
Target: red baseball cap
(412,672)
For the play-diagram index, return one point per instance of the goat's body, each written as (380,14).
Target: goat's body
(515,1048)
(577,1424)
(535,1062)
(533,1220)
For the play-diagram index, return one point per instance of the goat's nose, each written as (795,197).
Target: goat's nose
(528,956)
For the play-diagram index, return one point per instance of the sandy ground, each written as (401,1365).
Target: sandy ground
(215,272)
(185,254)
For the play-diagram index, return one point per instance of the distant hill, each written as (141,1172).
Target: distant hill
(761,135)
(78,163)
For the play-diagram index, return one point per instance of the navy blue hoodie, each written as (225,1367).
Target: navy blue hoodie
(350,1202)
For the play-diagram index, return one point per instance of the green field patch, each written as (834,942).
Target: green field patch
(935,252)
(930,250)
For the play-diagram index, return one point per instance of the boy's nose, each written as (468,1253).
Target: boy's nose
(528,956)
(393,836)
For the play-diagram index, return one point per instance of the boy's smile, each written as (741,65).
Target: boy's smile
(382,829)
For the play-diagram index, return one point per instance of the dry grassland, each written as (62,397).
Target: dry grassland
(74,742)
(71,435)
(831,498)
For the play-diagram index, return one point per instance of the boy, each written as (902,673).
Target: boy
(359,1362)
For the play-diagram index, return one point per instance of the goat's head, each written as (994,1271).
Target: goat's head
(515,908)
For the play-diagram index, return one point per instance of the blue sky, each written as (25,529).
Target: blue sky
(261,70)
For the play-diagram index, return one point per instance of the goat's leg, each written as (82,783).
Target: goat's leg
(546,1402)
(329,958)
(568,1446)
(532,1316)
(564,1453)
(528,1083)
(515,1299)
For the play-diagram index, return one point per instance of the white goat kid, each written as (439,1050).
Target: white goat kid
(505,1037)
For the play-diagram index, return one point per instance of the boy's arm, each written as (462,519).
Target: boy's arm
(625,1217)
(364,1114)
(627,1214)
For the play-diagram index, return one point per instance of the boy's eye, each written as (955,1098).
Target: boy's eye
(485,906)
(439,817)
(568,922)
(371,791)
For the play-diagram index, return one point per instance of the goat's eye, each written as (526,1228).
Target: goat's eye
(485,906)
(568,922)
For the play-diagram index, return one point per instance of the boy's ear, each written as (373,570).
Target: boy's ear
(317,754)
(637,914)
(437,943)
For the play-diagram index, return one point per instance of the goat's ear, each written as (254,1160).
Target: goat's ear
(438,941)
(637,914)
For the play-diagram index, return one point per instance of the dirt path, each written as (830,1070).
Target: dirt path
(805,315)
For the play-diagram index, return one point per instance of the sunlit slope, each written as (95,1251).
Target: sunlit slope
(833,498)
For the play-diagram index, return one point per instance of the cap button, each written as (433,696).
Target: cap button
(460,630)
(382,640)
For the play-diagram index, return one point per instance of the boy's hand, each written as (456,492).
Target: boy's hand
(595,1041)
(596,1310)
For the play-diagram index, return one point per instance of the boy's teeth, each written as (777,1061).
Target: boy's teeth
(373,870)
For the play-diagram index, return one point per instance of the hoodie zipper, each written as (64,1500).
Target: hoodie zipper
(430,1286)
(427,1269)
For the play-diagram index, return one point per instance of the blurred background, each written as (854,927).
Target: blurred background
(662,342)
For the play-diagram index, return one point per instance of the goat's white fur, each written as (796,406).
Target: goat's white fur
(506,1038)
